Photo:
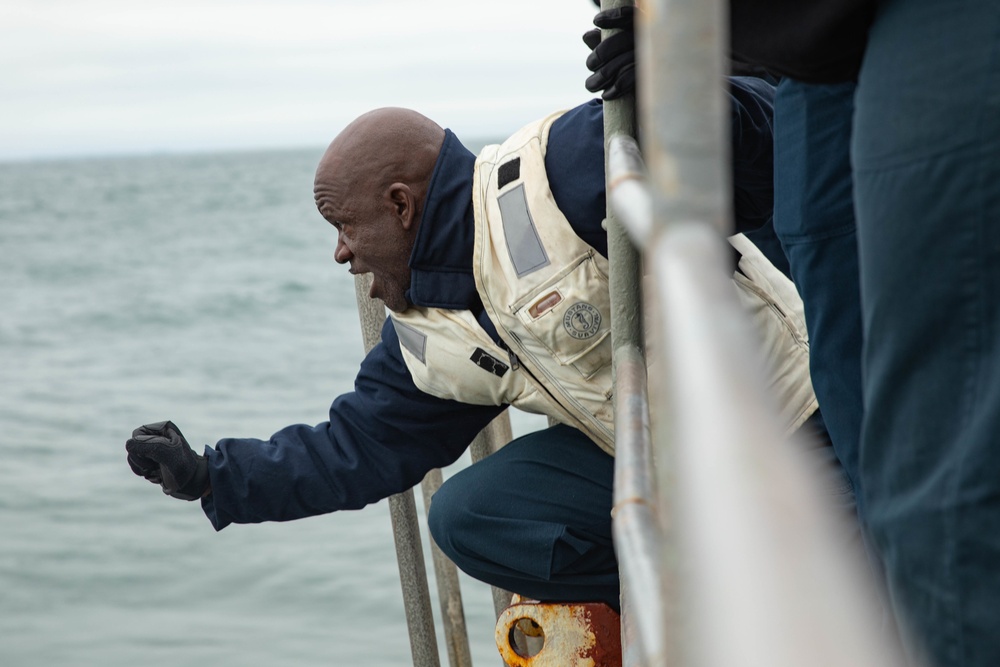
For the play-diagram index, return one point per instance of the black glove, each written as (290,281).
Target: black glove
(160,453)
(612,60)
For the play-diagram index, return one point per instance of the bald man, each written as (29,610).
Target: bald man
(494,270)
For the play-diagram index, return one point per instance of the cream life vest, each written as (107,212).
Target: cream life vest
(546,291)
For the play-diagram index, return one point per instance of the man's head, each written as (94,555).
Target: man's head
(371,185)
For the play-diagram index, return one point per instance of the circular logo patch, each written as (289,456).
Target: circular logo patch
(582,320)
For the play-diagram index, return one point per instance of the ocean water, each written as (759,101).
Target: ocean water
(199,289)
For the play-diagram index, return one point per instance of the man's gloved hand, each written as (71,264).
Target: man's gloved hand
(160,453)
(612,60)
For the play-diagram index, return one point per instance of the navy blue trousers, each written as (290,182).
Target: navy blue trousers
(926,157)
(535,517)
(814,220)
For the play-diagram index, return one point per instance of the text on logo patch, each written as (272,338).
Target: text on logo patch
(582,320)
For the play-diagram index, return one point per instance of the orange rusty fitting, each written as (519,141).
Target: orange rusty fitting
(559,634)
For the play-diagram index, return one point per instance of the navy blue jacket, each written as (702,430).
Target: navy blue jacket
(383,437)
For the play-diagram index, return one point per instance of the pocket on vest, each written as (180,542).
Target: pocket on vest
(569,315)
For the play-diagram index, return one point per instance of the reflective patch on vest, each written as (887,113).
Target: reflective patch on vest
(412,339)
(508,172)
(582,320)
(526,251)
(486,361)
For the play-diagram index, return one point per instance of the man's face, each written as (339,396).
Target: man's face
(370,238)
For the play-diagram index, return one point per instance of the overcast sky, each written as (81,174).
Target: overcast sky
(97,77)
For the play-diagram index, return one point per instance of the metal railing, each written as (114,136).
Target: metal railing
(735,560)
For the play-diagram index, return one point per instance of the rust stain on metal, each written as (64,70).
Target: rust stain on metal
(586,634)
(624,177)
(606,651)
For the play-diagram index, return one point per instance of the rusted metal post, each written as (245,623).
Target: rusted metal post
(559,634)
(403,511)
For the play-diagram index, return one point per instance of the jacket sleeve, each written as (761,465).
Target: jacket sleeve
(381,439)
(574,162)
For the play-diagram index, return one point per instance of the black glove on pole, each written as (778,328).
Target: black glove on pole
(612,60)
(160,453)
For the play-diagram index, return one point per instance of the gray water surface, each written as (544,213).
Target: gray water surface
(199,289)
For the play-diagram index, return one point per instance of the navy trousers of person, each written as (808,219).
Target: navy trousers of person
(916,147)
(926,159)
(535,517)
(815,221)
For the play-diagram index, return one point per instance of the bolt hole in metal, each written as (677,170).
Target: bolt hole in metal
(526,638)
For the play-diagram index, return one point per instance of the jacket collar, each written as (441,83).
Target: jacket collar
(441,261)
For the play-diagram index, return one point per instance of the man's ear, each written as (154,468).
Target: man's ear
(404,204)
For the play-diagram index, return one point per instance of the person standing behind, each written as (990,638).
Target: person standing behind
(924,147)
(894,106)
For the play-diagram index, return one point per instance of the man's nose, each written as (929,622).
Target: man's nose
(342,254)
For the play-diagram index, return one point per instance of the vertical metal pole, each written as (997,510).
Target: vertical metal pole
(685,140)
(752,551)
(684,112)
(624,263)
(456,637)
(497,434)
(625,278)
(402,508)
(403,511)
